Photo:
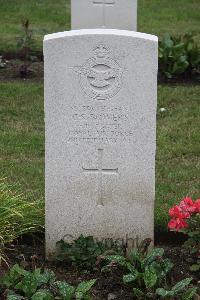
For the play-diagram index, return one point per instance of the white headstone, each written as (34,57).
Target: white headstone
(100,119)
(118,14)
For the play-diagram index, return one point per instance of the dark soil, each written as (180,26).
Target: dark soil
(32,256)
(16,67)
(180,80)
(20,54)
(108,286)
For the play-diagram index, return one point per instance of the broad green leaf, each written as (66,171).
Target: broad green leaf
(28,285)
(162,267)
(167,266)
(14,297)
(189,294)
(179,46)
(131,268)
(42,295)
(150,277)
(138,293)
(45,277)
(135,256)
(163,293)
(19,270)
(121,260)
(15,273)
(195,268)
(83,288)
(65,290)
(7,281)
(180,286)
(167,41)
(168,75)
(129,278)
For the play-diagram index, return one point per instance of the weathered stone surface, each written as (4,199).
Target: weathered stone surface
(118,14)
(100,118)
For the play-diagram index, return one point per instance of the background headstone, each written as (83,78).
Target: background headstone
(116,14)
(100,119)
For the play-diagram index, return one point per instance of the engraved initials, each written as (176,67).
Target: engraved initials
(100,171)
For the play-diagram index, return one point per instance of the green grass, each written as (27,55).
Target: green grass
(178,166)
(154,16)
(178,163)
(22,135)
(21,103)
(17,215)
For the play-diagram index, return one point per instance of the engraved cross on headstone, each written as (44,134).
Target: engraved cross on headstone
(103,4)
(100,171)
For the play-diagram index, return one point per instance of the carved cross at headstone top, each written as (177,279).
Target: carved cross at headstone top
(103,4)
(100,171)
(113,14)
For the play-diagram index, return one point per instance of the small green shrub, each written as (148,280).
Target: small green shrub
(42,285)
(84,251)
(179,56)
(17,214)
(148,275)
(25,42)
(192,245)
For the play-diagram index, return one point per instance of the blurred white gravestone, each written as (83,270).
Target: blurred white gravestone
(100,124)
(115,14)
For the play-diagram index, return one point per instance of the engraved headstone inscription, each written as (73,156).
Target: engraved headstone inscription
(118,14)
(100,123)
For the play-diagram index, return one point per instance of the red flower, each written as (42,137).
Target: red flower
(172,224)
(187,205)
(197,205)
(188,201)
(176,212)
(177,224)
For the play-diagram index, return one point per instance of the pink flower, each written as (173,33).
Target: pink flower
(188,201)
(187,205)
(172,224)
(197,205)
(179,213)
(177,224)
(176,212)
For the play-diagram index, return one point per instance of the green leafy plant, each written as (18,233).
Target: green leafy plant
(81,292)
(83,252)
(179,56)
(180,289)
(25,42)
(193,242)
(42,285)
(147,272)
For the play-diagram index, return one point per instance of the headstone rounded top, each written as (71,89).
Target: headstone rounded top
(100,135)
(82,32)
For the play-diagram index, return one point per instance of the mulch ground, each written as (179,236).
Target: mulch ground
(109,286)
(17,68)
